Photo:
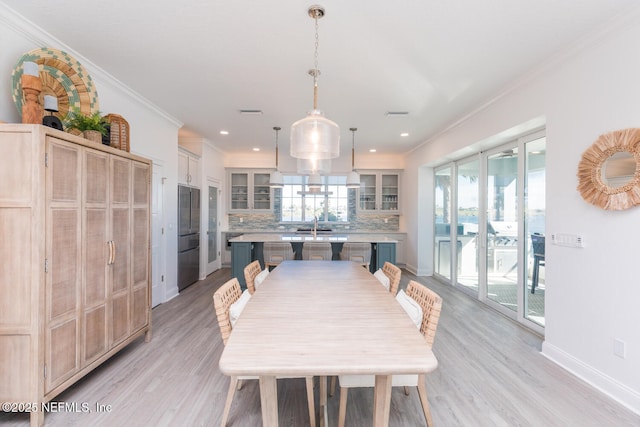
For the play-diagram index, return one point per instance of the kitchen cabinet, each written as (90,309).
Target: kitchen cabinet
(249,191)
(75,284)
(379,192)
(188,169)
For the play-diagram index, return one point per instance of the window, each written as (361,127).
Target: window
(330,204)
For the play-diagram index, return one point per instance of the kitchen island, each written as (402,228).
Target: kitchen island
(248,247)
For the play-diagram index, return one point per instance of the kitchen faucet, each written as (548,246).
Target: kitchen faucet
(315,226)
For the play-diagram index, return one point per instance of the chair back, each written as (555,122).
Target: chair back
(276,252)
(356,252)
(393,273)
(226,295)
(431,304)
(537,242)
(250,273)
(317,251)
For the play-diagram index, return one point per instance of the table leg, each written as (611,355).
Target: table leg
(382,401)
(323,402)
(269,401)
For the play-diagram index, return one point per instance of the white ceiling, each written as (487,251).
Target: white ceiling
(204,60)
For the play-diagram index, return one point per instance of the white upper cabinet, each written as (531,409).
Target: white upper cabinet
(249,191)
(379,192)
(188,169)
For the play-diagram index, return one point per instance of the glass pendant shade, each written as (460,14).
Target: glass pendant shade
(315,137)
(353,180)
(314,182)
(309,166)
(276,180)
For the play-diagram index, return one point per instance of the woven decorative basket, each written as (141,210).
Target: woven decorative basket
(119,132)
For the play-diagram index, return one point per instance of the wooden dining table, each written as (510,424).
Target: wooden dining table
(324,318)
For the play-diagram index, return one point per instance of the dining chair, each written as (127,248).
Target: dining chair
(276,252)
(393,273)
(251,271)
(359,252)
(317,251)
(537,244)
(431,304)
(223,299)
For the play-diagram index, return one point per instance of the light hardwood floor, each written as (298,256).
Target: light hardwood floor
(490,374)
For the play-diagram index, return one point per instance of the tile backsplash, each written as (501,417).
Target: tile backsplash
(252,221)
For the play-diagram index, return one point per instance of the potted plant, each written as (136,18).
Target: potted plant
(92,126)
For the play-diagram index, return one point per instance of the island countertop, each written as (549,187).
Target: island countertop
(293,237)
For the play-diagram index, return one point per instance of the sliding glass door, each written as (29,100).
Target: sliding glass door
(442,235)
(502,227)
(496,199)
(468,220)
(534,206)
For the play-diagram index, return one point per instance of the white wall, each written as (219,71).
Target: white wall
(592,293)
(153,133)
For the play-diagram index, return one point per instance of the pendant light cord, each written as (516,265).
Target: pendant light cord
(276,128)
(315,65)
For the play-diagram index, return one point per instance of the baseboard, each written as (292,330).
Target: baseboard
(619,392)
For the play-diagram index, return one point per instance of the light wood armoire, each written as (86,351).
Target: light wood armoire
(75,283)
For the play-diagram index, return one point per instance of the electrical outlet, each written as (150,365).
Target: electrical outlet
(619,348)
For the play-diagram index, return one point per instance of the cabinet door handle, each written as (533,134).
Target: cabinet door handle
(110,252)
(113,245)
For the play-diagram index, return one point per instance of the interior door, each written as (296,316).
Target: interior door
(158,243)
(213,231)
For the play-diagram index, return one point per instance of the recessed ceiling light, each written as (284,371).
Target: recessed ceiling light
(224,132)
(256,149)
(404,134)
(373,150)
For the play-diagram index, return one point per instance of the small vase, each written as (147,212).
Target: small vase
(93,135)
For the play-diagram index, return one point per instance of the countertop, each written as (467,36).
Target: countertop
(293,237)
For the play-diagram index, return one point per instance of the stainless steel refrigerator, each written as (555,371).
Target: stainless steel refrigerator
(188,236)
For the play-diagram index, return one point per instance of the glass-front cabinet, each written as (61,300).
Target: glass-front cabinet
(379,191)
(249,191)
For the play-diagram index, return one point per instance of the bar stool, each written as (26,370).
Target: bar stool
(357,252)
(317,251)
(276,252)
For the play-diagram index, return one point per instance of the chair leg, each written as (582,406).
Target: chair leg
(310,398)
(342,412)
(422,392)
(406,390)
(239,385)
(332,388)
(534,278)
(227,406)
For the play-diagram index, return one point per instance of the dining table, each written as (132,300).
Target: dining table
(324,318)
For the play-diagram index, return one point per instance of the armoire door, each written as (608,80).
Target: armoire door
(96,252)
(63,261)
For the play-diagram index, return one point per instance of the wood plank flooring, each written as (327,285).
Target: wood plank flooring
(490,374)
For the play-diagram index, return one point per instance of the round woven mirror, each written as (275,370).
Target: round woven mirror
(609,171)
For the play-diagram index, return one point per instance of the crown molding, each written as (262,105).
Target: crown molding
(40,37)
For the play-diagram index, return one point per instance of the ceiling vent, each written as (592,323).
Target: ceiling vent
(396,113)
(251,112)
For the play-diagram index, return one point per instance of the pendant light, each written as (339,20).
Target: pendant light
(353,179)
(275,180)
(314,182)
(307,166)
(315,136)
